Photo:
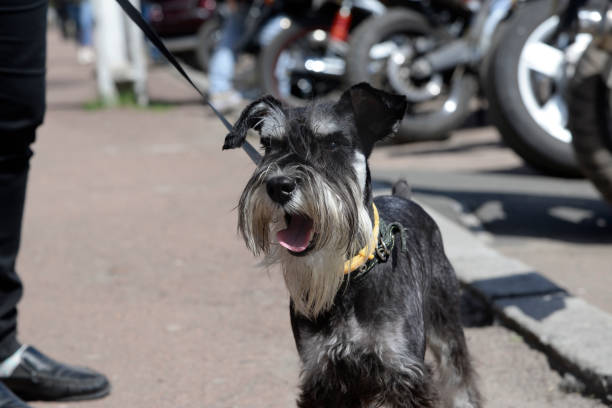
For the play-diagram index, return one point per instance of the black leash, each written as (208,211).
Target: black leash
(136,17)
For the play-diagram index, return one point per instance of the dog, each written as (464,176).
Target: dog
(370,285)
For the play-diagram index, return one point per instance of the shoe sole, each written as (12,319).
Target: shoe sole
(82,397)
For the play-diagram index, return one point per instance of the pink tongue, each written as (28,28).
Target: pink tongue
(297,235)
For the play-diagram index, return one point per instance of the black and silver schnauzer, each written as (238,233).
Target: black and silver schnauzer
(369,282)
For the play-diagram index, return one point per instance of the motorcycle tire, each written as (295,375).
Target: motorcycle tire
(589,118)
(509,108)
(208,37)
(270,55)
(433,125)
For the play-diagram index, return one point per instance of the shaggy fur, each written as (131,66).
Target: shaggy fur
(362,341)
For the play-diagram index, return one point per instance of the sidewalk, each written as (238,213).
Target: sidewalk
(130,257)
(132,264)
(575,335)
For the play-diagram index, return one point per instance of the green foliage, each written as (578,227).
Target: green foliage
(126,99)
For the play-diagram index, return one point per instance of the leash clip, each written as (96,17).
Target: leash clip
(382,251)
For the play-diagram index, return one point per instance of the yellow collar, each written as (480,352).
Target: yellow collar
(366,253)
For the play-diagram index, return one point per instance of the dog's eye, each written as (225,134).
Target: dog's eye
(266,142)
(334,141)
(333,144)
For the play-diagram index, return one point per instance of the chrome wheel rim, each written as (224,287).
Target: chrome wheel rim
(542,63)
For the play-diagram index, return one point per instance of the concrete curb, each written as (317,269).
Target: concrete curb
(576,336)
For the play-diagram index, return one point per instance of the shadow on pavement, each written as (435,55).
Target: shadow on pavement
(475,312)
(464,147)
(534,294)
(571,219)
(537,308)
(523,170)
(196,100)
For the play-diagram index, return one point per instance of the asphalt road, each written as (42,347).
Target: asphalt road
(132,264)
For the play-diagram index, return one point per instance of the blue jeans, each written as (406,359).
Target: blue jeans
(85,23)
(223,60)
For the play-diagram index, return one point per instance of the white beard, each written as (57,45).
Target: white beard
(314,278)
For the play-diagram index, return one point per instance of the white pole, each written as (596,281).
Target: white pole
(103,38)
(120,50)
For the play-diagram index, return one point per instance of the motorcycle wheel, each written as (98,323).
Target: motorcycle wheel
(437,105)
(209,35)
(590,119)
(282,64)
(525,90)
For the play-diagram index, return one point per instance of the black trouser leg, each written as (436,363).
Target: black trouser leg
(22,106)
(12,195)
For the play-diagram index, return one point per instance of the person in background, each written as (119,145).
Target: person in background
(63,10)
(84,19)
(223,60)
(25,372)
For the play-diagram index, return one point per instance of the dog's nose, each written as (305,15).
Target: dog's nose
(280,189)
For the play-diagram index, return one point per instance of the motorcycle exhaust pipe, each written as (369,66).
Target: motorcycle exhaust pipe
(459,52)
(328,66)
(466,51)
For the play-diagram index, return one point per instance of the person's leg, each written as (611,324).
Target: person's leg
(23,369)
(223,60)
(85,53)
(85,23)
(221,71)
(13,179)
(22,106)
(146,9)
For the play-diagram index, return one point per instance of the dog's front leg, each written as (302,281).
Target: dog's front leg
(382,388)
(317,392)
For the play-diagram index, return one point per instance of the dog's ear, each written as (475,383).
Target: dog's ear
(265,114)
(377,113)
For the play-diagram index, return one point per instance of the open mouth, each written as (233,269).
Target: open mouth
(297,237)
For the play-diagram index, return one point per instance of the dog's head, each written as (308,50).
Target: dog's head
(307,205)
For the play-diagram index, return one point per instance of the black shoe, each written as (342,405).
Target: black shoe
(37,377)
(10,400)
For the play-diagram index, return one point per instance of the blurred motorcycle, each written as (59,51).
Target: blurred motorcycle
(435,58)
(526,85)
(306,60)
(423,50)
(180,23)
(262,17)
(590,91)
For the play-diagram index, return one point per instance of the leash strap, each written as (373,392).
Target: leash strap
(148,31)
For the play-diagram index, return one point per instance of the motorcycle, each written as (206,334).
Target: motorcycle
(396,52)
(526,87)
(440,60)
(306,59)
(590,91)
(259,27)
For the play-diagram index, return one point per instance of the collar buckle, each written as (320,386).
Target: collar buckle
(382,251)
